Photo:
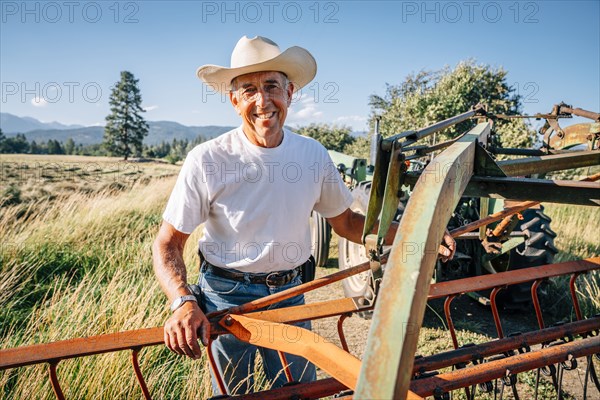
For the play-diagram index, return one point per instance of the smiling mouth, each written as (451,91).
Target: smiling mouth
(265,116)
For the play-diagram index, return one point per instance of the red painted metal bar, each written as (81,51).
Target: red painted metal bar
(447,311)
(480,373)
(138,374)
(536,303)
(286,366)
(495,313)
(574,296)
(214,369)
(54,380)
(340,328)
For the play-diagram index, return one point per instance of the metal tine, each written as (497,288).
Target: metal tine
(138,372)
(537,383)
(587,375)
(559,373)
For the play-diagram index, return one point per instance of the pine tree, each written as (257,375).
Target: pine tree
(69,146)
(125,127)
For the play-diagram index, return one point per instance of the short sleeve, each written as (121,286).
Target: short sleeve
(335,197)
(188,205)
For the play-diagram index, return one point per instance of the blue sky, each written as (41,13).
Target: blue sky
(59,59)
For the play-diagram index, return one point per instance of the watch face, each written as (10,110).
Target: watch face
(180,300)
(176,304)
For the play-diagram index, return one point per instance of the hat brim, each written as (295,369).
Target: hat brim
(296,63)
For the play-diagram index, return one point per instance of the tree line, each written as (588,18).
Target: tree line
(422,99)
(173,151)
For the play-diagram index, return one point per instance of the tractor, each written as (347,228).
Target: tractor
(525,240)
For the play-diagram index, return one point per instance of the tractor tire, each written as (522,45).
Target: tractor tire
(538,249)
(320,234)
(352,254)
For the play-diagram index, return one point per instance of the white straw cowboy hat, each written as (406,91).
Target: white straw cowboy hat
(261,54)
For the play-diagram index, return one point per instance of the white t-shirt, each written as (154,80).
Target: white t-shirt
(255,202)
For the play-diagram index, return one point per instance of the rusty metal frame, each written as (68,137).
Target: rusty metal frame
(134,340)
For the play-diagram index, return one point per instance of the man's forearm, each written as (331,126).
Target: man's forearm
(355,228)
(170,270)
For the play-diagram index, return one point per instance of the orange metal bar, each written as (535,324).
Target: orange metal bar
(295,340)
(289,293)
(488,371)
(490,281)
(310,311)
(64,349)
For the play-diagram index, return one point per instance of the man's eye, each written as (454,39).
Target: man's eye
(249,91)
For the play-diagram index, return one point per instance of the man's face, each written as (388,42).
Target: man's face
(262,100)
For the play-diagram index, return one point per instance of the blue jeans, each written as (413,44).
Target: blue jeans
(234,358)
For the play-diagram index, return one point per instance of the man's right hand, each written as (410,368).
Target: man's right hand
(180,330)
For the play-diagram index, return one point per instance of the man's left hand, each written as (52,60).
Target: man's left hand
(447,248)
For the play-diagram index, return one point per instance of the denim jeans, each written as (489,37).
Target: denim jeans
(234,358)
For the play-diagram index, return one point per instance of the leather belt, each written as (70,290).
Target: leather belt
(271,279)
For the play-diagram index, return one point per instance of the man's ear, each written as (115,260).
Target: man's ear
(290,93)
(234,101)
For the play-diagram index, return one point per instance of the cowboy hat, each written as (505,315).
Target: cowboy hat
(261,54)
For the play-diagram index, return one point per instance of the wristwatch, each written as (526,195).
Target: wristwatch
(178,302)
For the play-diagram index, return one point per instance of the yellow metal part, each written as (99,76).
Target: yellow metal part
(295,340)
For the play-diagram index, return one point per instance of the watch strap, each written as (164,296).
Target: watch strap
(179,301)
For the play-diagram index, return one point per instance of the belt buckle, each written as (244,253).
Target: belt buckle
(267,280)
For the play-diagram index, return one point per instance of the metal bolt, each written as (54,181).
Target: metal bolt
(228,321)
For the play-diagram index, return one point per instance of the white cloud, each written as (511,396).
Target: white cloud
(357,122)
(150,108)
(304,111)
(38,101)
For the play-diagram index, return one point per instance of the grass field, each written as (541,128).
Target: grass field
(75,260)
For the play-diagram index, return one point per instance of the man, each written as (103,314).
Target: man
(253,188)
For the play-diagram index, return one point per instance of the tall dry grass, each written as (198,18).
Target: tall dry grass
(82,267)
(577,237)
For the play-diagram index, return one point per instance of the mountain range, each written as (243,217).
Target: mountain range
(43,131)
